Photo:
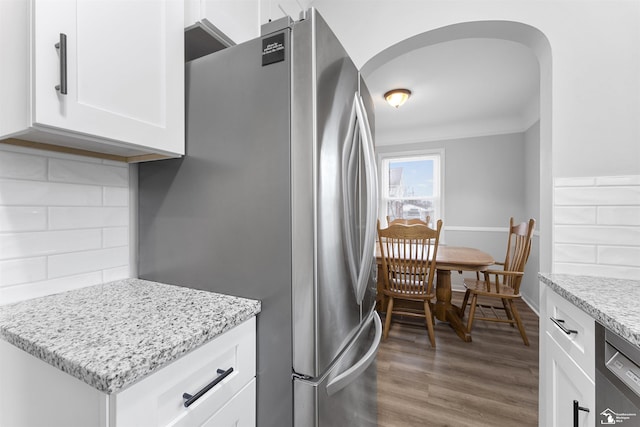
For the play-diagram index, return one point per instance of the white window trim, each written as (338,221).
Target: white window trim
(408,154)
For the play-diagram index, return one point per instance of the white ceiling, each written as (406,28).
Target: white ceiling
(460,88)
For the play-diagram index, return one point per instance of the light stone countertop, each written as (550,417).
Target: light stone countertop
(114,334)
(615,303)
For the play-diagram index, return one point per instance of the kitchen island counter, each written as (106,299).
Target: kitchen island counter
(611,302)
(114,334)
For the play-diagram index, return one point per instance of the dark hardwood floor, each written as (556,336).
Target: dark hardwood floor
(492,381)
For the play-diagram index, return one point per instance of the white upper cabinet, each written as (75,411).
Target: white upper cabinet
(239,20)
(124,74)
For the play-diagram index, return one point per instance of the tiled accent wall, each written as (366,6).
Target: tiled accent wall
(597,226)
(64,222)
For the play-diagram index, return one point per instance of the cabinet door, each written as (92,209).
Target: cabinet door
(124,69)
(567,382)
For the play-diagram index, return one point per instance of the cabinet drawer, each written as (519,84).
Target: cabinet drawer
(157,400)
(579,343)
(238,412)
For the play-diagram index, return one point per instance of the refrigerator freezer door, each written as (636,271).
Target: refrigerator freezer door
(326,309)
(346,395)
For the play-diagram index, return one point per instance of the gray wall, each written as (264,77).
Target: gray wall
(487,180)
(530,288)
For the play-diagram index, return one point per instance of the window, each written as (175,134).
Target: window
(412,185)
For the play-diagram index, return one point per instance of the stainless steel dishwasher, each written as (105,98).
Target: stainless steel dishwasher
(617,379)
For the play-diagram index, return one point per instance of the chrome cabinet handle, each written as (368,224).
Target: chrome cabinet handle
(189,399)
(560,324)
(62,47)
(576,412)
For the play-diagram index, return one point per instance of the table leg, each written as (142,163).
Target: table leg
(444,310)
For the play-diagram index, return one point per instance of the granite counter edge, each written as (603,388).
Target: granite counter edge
(113,384)
(598,315)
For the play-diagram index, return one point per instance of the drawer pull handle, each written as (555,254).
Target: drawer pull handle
(189,399)
(560,324)
(62,47)
(576,411)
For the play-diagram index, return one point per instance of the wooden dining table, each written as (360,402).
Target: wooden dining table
(448,259)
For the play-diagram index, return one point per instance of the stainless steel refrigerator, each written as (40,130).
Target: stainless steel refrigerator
(276,200)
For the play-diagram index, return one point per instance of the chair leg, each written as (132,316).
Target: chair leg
(507,311)
(472,312)
(463,307)
(387,320)
(429,319)
(519,322)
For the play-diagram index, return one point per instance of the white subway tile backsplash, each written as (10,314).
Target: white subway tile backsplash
(618,180)
(114,163)
(10,294)
(619,215)
(597,235)
(22,270)
(19,218)
(23,245)
(575,253)
(22,166)
(47,154)
(619,255)
(86,261)
(598,270)
(35,193)
(118,273)
(117,236)
(597,196)
(64,222)
(67,218)
(575,215)
(574,181)
(597,226)
(581,181)
(86,173)
(116,196)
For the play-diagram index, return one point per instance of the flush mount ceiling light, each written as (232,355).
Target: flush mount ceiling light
(397,97)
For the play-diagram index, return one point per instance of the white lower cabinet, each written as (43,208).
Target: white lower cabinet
(33,393)
(566,384)
(239,411)
(567,363)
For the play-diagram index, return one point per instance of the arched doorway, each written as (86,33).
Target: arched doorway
(538,44)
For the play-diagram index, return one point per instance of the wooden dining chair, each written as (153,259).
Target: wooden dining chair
(409,221)
(408,255)
(502,285)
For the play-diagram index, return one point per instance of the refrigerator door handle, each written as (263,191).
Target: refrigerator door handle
(349,157)
(345,378)
(372,197)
